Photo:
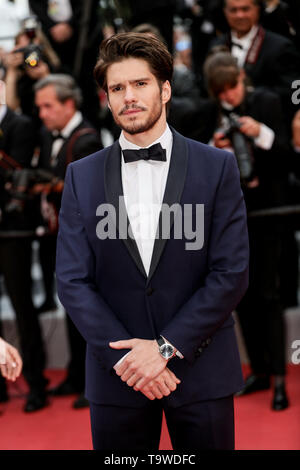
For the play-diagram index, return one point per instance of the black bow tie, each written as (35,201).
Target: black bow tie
(237,45)
(155,152)
(58,136)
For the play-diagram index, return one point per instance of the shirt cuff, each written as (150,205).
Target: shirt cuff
(266,138)
(121,360)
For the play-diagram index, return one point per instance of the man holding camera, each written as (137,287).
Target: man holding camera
(255,117)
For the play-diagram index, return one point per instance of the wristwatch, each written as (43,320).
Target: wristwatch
(166,350)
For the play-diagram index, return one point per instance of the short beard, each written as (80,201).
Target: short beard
(135,128)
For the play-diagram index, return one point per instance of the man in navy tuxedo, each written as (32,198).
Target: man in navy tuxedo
(153,295)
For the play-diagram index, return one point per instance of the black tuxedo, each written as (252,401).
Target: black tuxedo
(260,311)
(75,147)
(17,140)
(17,137)
(160,13)
(83,145)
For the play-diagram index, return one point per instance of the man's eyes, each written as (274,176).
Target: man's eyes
(233,11)
(120,88)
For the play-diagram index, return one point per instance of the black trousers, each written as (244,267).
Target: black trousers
(260,311)
(15,265)
(76,366)
(197,426)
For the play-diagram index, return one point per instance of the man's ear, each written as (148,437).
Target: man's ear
(166,92)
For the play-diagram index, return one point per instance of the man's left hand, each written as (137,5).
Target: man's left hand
(249,126)
(142,364)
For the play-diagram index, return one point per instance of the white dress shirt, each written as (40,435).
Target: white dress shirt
(60,11)
(240,53)
(144,184)
(3,111)
(74,122)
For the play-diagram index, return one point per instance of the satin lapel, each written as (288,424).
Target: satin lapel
(174,188)
(113,191)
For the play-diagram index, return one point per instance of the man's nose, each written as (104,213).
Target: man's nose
(240,13)
(129,95)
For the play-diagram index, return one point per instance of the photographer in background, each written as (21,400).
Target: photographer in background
(250,124)
(17,139)
(32,58)
(66,136)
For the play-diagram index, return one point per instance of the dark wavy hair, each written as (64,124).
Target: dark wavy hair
(137,45)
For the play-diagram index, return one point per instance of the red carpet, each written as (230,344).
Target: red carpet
(59,427)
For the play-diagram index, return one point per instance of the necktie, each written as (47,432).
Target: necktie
(155,152)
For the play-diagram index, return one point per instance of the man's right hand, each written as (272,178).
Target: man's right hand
(220,141)
(162,386)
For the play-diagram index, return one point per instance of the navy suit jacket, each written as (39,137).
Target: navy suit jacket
(188,296)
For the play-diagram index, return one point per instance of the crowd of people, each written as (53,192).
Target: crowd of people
(236,65)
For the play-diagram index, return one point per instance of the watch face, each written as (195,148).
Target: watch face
(166,351)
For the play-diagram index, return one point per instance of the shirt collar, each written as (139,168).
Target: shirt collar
(165,141)
(71,125)
(226,105)
(247,38)
(3,111)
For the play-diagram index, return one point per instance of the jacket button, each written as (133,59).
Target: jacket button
(150,291)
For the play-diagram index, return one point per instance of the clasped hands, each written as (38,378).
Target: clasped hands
(145,369)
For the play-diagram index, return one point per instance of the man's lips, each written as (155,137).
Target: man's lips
(131,111)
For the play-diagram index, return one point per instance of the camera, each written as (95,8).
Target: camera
(20,183)
(32,55)
(242,148)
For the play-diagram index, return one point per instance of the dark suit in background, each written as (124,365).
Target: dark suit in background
(260,311)
(160,13)
(69,50)
(17,140)
(81,142)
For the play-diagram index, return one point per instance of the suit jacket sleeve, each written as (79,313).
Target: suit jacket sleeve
(227,279)
(76,289)
(22,139)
